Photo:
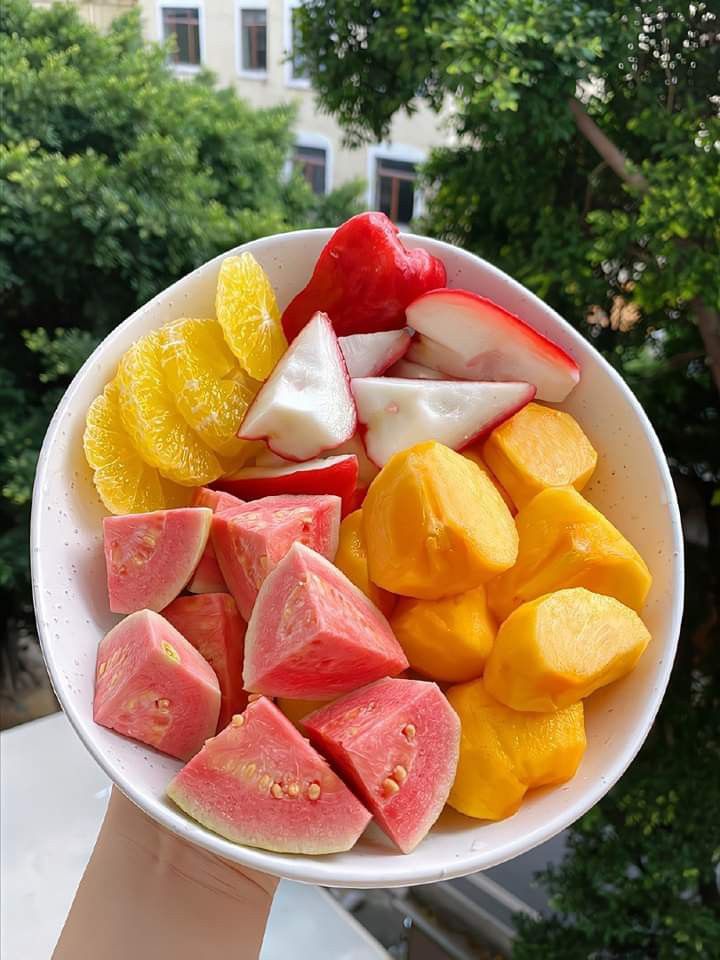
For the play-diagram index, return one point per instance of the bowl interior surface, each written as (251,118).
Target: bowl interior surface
(632,487)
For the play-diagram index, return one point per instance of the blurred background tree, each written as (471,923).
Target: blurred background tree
(116,178)
(586,163)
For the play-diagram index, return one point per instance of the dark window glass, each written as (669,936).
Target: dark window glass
(395,189)
(312,162)
(183,23)
(253,28)
(298,67)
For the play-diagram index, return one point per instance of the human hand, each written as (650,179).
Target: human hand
(148,895)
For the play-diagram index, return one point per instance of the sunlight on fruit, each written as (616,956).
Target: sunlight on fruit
(153,421)
(249,315)
(209,389)
(124,482)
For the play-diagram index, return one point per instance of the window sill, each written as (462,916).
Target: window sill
(253,74)
(189,69)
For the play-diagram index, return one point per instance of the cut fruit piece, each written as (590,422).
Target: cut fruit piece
(214,627)
(313,634)
(152,685)
(397,743)
(351,559)
(370,354)
(435,526)
(296,710)
(249,315)
(474,456)
(124,482)
(538,448)
(210,390)
(156,427)
(503,752)
(560,648)
(250,540)
(565,542)
(306,406)
(367,470)
(151,556)
(208,577)
(216,500)
(397,414)
(446,640)
(259,782)
(335,475)
(471,337)
(364,278)
(407,370)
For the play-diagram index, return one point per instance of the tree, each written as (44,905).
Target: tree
(116,178)
(585,161)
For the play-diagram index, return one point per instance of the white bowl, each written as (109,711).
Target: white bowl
(632,486)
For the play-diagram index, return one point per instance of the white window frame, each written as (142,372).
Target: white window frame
(393,151)
(298,83)
(251,5)
(318,142)
(186,68)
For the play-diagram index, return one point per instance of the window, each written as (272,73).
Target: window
(183,23)
(312,164)
(253,39)
(298,68)
(395,189)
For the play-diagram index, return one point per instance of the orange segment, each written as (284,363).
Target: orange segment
(156,427)
(249,315)
(208,387)
(124,482)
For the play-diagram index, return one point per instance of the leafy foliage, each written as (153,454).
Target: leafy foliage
(584,162)
(116,178)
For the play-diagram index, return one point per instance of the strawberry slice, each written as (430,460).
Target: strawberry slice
(370,354)
(408,370)
(335,475)
(306,406)
(400,413)
(470,337)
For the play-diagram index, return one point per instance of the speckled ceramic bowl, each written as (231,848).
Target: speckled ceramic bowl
(632,486)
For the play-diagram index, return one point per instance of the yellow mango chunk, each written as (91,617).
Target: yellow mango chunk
(539,447)
(435,525)
(504,753)
(447,640)
(295,710)
(473,454)
(555,650)
(351,558)
(566,542)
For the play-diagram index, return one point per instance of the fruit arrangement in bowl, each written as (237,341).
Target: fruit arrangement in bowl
(347,530)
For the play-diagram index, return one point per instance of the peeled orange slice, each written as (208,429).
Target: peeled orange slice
(124,482)
(249,315)
(156,427)
(208,387)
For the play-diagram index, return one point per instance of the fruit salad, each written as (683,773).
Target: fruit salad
(359,575)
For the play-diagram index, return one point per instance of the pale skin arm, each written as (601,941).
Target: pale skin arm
(147,894)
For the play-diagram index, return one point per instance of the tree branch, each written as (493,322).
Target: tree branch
(614,158)
(708,321)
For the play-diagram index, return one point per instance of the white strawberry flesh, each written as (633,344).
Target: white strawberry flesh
(470,337)
(305,407)
(409,370)
(400,413)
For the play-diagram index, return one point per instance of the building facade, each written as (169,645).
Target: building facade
(248,44)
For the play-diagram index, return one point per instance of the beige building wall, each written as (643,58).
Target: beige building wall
(100,13)
(411,137)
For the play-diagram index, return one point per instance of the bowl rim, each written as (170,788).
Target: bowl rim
(323,870)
